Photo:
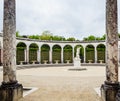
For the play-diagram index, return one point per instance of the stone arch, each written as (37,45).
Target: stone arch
(81,52)
(45,48)
(101,53)
(20,52)
(67,53)
(56,53)
(33,48)
(90,53)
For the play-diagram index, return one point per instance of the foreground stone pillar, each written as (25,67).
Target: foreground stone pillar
(10,90)
(119,55)
(110,88)
(1,55)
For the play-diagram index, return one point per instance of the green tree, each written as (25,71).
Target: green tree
(103,37)
(34,37)
(58,38)
(46,35)
(89,38)
(17,34)
(71,39)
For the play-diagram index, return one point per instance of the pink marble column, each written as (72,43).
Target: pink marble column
(1,55)
(111,86)
(111,42)
(10,90)
(9,40)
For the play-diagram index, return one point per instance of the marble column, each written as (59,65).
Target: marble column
(110,88)
(62,55)
(1,55)
(119,55)
(95,54)
(10,90)
(73,53)
(38,55)
(27,54)
(50,55)
(84,54)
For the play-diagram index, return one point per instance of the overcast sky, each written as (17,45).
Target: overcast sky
(68,18)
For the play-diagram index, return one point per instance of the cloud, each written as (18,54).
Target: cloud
(69,18)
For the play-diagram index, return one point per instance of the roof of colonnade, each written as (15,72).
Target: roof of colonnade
(51,43)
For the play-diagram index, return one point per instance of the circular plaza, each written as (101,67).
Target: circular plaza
(60,84)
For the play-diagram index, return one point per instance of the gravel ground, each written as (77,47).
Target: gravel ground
(61,84)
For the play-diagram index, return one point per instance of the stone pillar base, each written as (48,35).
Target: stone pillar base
(11,92)
(109,91)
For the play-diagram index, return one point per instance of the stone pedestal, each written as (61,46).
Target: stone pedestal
(109,92)
(11,92)
(77,62)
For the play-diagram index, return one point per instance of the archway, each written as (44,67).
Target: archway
(67,53)
(101,53)
(20,52)
(45,53)
(33,52)
(90,54)
(56,54)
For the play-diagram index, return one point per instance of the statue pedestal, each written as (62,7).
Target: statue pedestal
(77,62)
(77,65)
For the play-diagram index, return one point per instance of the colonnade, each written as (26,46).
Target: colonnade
(62,45)
(50,59)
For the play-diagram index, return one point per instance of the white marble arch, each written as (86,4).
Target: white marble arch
(49,52)
(37,52)
(94,49)
(61,54)
(68,58)
(25,52)
(102,60)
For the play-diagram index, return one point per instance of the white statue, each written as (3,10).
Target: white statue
(77,60)
(78,52)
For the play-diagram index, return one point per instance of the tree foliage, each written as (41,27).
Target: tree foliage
(92,38)
(47,35)
(71,39)
(17,34)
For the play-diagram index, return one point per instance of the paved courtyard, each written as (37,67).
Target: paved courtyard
(60,84)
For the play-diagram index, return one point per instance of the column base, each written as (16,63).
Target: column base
(11,92)
(109,91)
